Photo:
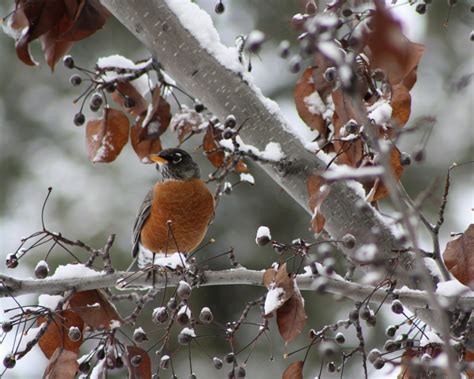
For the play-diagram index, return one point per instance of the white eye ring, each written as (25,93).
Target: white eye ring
(178,158)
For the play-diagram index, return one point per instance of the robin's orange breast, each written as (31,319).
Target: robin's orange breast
(188,205)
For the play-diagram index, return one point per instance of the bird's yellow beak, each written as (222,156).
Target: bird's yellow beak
(157,159)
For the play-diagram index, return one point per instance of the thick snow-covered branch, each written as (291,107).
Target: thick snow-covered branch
(185,42)
(241,276)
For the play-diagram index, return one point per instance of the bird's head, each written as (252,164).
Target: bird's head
(175,164)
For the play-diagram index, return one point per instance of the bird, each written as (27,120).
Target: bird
(176,212)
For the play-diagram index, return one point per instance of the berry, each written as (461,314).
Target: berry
(284,49)
(230,121)
(397,307)
(96,100)
(390,346)
(240,372)
(75,80)
(12,261)
(68,61)
(390,331)
(405,159)
(331,367)
(371,321)
(110,87)
(198,107)
(84,367)
(373,355)
(254,41)
(348,241)
(219,9)
(136,360)
(340,339)
(206,316)
(6,326)
(74,333)
(379,363)
(354,315)
(311,7)
(419,155)
(128,102)
(295,64)
(172,304)
(118,362)
(365,313)
(139,336)
(217,363)
(184,337)
(471,36)
(352,127)
(330,74)
(182,318)
(229,358)
(347,12)
(79,119)
(41,271)
(165,362)
(100,353)
(9,361)
(184,290)
(421,8)
(159,315)
(228,133)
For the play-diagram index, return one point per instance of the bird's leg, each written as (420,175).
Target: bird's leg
(153,271)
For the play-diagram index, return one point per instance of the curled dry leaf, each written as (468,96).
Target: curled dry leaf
(459,258)
(294,371)
(318,190)
(291,317)
(126,89)
(186,121)
(158,114)
(280,288)
(62,365)
(142,370)
(401,104)
(210,146)
(379,189)
(390,50)
(94,308)
(106,136)
(58,22)
(144,142)
(56,334)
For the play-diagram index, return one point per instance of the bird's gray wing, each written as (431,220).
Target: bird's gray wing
(142,215)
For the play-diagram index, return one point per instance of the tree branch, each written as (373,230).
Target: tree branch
(226,92)
(241,276)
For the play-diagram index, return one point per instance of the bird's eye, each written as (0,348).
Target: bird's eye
(177,158)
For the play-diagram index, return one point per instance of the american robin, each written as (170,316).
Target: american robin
(176,212)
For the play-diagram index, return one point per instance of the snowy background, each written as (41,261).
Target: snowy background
(40,147)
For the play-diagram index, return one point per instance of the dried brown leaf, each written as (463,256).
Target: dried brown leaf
(62,365)
(294,371)
(94,308)
(56,334)
(159,116)
(459,256)
(53,46)
(210,146)
(144,142)
(127,89)
(318,190)
(380,191)
(291,317)
(106,136)
(141,370)
(275,280)
(185,122)
(401,104)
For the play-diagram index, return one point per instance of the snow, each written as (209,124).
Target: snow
(138,330)
(452,288)
(157,311)
(199,24)
(431,265)
(380,112)
(244,177)
(256,37)
(171,261)
(315,105)
(366,253)
(272,152)
(98,370)
(73,271)
(344,172)
(331,51)
(274,299)
(49,301)
(263,231)
(185,309)
(188,332)
(115,324)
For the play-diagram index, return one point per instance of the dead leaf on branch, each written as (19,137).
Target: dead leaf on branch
(144,142)
(62,365)
(459,258)
(280,288)
(379,190)
(106,136)
(318,190)
(138,363)
(186,121)
(291,317)
(294,371)
(94,308)
(59,22)
(56,335)
(126,94)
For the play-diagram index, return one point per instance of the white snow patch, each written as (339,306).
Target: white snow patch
(188,332)
(244,177)
(366,253)
(73,271)
(199,24)
(272,152)
(256,37)
(380,112)
(49,301)
(185,309)
(274,299)
(42,263)
(344,172)
(263,231)
(452,288)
